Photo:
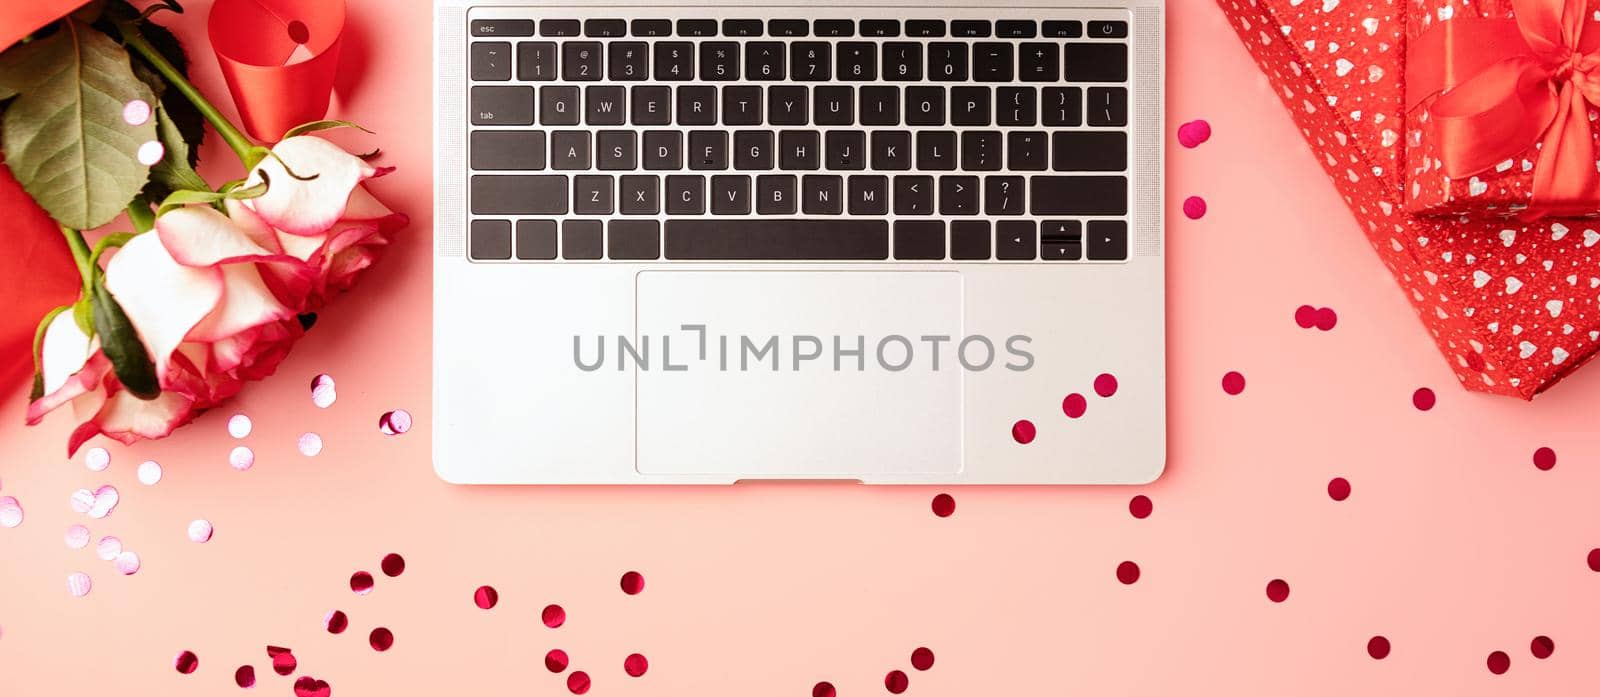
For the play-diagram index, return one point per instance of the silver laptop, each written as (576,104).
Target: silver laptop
(891,243)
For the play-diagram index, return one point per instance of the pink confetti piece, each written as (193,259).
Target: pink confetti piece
(578,682)
(1423,399)
(556,661)
(824,689)
(922,658)
(245,677)
(1233,382)
(186,662)
(1105,385)
(323,391)
(149,472)
(1194,133)
(307,686)
(336,622)
(239,425)
(151,152)
(242,458)
(553,616)
(632,583)
(1338,488)
(105,501)
(200,531)
(310,444)
(394,423)
(392,565)
(108,548)
(1542,647)
(79,584)
(77,537)
(1074,405)
(486,597)
(635,665)
(97,459)
(82,500)
(1194,207)
(381,639)
(1023,431)
(361,582)
(10,512)
(136,112)
(127,563)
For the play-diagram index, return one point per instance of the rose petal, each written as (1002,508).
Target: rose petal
(162,298)
(307,206)
(203,236)
(128,419)
(246,303)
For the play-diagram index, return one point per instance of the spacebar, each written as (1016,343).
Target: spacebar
(788,240)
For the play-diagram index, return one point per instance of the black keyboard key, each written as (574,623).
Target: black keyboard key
(902,61)
(730,194)
(1108,30)
(880,27)
(811,61)
(788,27)
(1090,151)
(489,240)
(508,149)
(1063,29)
(970,28)
(686,194)
(869,195)
(992,62)
(1061,240)
(697,27)
(958,195)
(835,27)
(1003,196)
(927,28)
(1040,62)
(593,194)
(799,150)
(1108,106)
(650,27)
(519,194)
(708,150)
(604,28)
(833,105)
(981,151)
(1098,195)
(1062,106)
(786,105)
(629,61)
(777,194)
(924,106)
(640,194)
(719,61)
(604,105)
(536,61)
(969,106)
(536,240)
(633,240)
(1107,240)
(558,105)
(733,239)
(741,105)
(969,240)
(741,27)
(1096,62)
(880,106)
(1016,106)
(936,150)
(580,61)
(919,240)
(616,150)
(858,60)
(1027,151)
(674,61)
(697,105)
(559,27)
(822,194)
(1014,240)
(763,60)
(502,27)
(891,150)
(913,195)
(847,150)
(652,105)
(491,61)
(1016,28)
(663,150)
(569,150)
(947,62)
(753,150)
(502,105)
(582,239)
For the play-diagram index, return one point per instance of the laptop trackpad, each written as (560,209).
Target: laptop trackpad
(798,373)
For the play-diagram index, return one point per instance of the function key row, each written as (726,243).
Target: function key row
(924,28)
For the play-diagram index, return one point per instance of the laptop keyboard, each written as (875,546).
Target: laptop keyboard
(798,140)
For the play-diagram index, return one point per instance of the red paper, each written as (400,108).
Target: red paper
(1513,306)
(36,274)
(279,58)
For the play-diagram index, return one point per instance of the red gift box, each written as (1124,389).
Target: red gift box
(1459,156)
(1514,306)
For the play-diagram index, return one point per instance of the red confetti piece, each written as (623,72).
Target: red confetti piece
(1594,560)
(1544,459)
(283,662)
(1105,384)
(1074,405)
(1378,647)
(1305,316)
(336,622)
(1277,590)
(186,662)
(578,682)
(553,616)
(824,689)
(361,582)
(245,676)
(381,639)
(308,686)
(486,597)
(944,505)
(1194,207)
(922,658)
(635,665)
(1233,382)
(1193,133)
(1023,431)
(896,682)
(1542,647)
(1338,488)
(1128,573)
(1423,399)
(1327,319)
(393,565)
(556,660)
(1499,662)
(1141,506)
(632,583)
(394,423)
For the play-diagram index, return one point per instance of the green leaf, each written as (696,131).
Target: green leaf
(179,199)
(118,340)
(173,172)
(314,126)
(38,343)
(83,315)
(64,136)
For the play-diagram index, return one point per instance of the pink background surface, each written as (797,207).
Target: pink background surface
(1452,545)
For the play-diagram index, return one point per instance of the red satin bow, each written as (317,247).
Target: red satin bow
(1504,85)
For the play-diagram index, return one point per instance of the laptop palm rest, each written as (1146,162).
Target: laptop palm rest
(797,374)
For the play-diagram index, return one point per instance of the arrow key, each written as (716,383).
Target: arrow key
(1014,240)
(1061,240)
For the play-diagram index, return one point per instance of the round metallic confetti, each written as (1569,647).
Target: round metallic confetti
(1544,459)
(922,658)
(77,537)
(1499,662)
(1233,382)
(944,505)
(1338,488)
(1194,208)
(105,501)
(1105,384)
(632,583)
(381,639)
(1128,573)
(1277,590)
(1140,506)
(108,548)
(97,459)
(186,662)
(393,565)
(323,392)
(307,686)
(239,425)
(136,112)
(553,616)
(896,682)
(283,661)
(151,152)
(824,689)
(1378,647)
(556,660)
(149,472)
(578,682)
(1424,399)
(128,563)
(1074,405)
(1542,647)
(361,582)
(1193,133)
(10,512)
(82,500)
(200,531)
(635,665)
(310,444)
(79,584)
(486,597)
(241,458)
(245,676)
(394,423)
(1023,431)
(336,622)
